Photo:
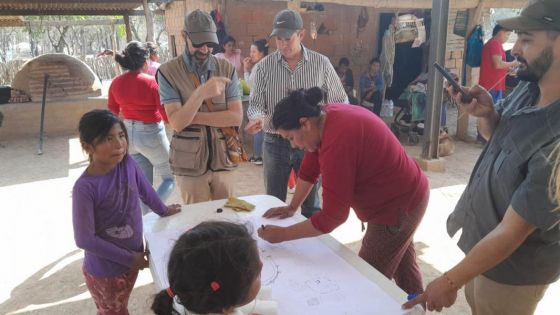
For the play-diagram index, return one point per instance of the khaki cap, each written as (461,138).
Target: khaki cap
(200,27)
(542,15)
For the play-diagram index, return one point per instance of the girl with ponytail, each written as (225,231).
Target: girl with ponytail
(213,269)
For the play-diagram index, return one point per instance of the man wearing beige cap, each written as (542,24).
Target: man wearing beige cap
(291,67)
(201,94)
(510,223)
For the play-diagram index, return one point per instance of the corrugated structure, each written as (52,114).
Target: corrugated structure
(68,7)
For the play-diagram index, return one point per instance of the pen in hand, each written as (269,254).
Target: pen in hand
(262,226)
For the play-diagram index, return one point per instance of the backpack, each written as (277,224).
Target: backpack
(475,43)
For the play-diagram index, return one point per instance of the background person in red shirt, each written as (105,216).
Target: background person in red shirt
(363,166)
(493,64)
(134,96)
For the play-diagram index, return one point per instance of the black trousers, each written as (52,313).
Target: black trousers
(377,101)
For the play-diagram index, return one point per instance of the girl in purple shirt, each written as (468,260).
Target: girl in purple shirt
(106,212)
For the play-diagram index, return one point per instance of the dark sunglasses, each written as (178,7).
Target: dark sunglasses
(209,45)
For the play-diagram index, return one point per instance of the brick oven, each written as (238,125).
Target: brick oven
(69,78)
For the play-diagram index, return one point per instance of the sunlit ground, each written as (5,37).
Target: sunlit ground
(40,269)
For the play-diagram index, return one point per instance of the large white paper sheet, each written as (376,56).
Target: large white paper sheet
(306,276)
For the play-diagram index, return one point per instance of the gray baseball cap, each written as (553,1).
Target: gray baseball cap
(540,15)
(286,23)
(200,27)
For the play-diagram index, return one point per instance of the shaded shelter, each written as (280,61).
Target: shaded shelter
(124,8)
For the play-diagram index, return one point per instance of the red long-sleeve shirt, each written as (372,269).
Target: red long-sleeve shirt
(363,166)
(135,96)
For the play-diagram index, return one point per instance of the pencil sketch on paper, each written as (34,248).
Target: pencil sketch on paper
(270,270)
(322,285)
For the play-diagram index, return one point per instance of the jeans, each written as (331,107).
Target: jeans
(258,144)
(279,158)
(149,147)
(496,95)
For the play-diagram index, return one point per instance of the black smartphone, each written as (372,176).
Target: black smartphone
(456,86)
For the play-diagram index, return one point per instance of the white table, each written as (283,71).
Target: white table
(196,213)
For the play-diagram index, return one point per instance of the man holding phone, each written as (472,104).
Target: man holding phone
(510,225)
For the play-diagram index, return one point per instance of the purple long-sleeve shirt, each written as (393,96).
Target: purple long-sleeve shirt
(107,217)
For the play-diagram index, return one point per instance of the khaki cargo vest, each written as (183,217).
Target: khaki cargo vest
(197,148)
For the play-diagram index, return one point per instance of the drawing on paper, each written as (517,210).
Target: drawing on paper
(322,285)
(270,270)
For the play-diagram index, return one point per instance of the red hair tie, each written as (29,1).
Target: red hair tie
(170,292)
(215,286)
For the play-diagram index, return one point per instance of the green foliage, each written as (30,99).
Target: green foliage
(121,31)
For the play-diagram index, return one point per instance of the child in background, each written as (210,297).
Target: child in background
(153,60)
(259,50)
(232,54)
(213,269)
(106,212)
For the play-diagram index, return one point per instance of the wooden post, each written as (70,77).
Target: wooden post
(126,19)
(43,104)
(114,47)
(462,116)
(149,22)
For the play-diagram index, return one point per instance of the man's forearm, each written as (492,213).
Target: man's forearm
(499,244)
(181,116)
(486,125)
(218,119)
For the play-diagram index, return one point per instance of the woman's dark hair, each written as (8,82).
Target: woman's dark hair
(262,46)
(299,103)
(152,48)
(497,29)
(228,39)
(374,60)
(213,251)
(96,125)
(133,56)
(344,61)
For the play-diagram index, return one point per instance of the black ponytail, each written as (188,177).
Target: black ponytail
(212,267)
(163,304)
(133,56)
(298,104)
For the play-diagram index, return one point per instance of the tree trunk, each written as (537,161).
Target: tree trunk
(127,26)
(135,32)
(149,22)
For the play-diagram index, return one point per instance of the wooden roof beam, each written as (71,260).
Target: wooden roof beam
(426,4)
(34,12)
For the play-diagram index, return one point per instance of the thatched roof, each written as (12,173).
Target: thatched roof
(68,7)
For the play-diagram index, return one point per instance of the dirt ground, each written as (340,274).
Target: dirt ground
(41,267)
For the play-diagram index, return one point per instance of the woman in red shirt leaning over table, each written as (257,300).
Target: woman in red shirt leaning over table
(362,166)
(134,96)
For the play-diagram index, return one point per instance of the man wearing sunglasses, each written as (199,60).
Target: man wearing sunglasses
(291,67)
(201,94)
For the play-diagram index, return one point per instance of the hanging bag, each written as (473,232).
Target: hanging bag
(475,42)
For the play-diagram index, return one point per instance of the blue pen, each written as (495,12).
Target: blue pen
(411,296)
